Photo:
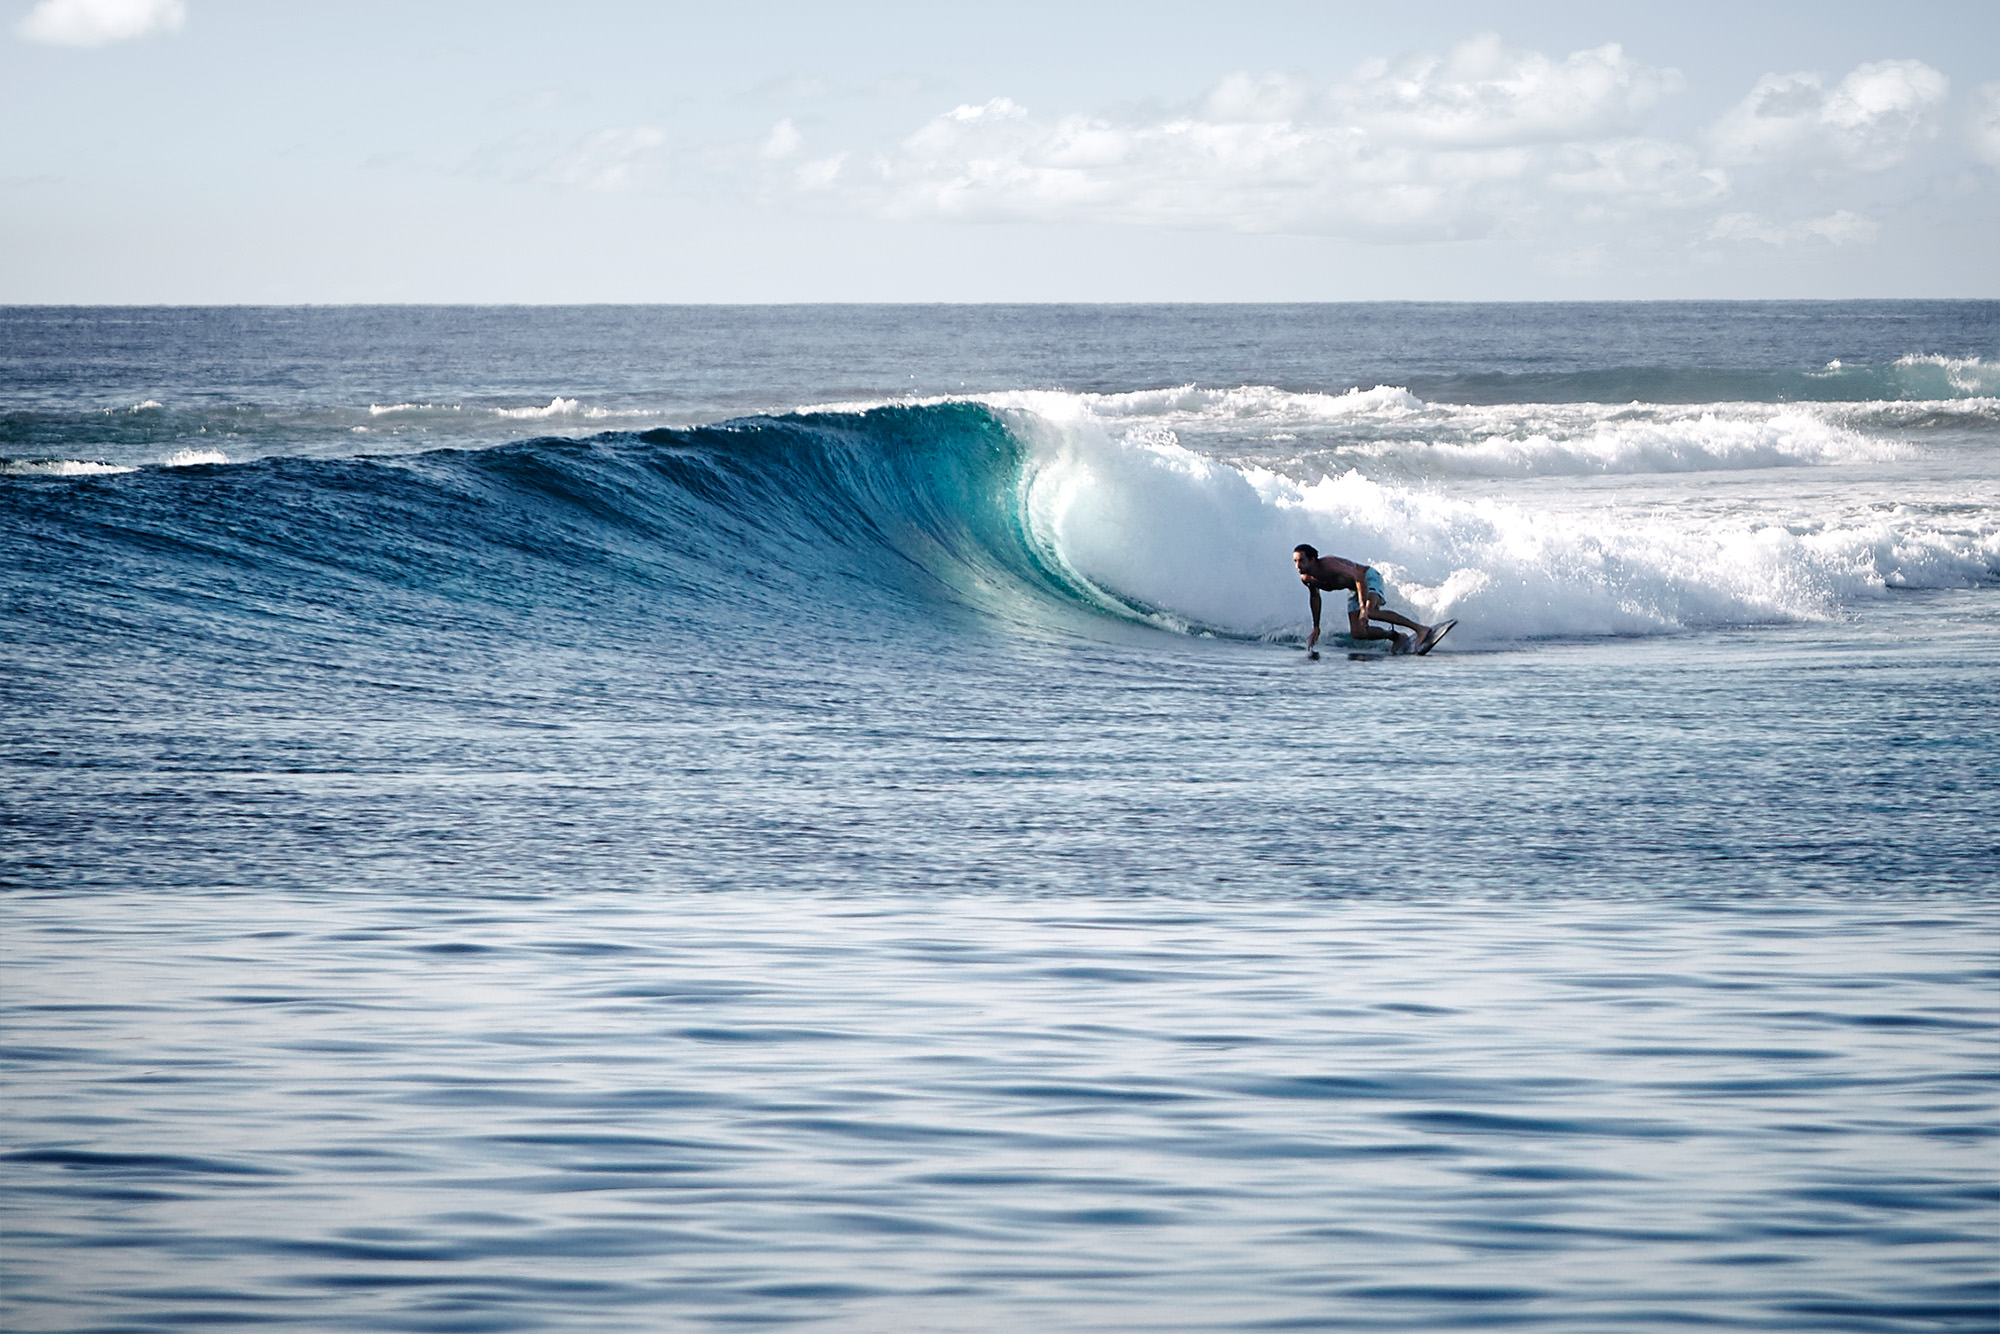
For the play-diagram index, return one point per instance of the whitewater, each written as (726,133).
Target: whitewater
(1176,501)
(636,818)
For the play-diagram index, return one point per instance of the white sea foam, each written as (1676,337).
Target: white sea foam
(1538,440)
(58,468)
(861,405)
(1202,543)
(398,409)
(1493,440)
(557,407)
(1183,504)
(186,458)
(1908,413)
(1259,405)
(1186,406)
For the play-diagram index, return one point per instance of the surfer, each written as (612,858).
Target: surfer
(1364,601)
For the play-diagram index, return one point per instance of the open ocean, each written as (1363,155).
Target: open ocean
(820,818)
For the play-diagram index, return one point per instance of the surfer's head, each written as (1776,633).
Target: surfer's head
(1304,554)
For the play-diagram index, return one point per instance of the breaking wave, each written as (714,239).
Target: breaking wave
(1201,543)
(1048,512)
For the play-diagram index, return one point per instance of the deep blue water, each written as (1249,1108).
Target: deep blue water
(654,818)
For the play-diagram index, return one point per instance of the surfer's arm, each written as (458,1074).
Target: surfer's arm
(1315,606)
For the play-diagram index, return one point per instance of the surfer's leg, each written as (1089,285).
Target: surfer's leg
(1362,611)
(1365,605)
(1397,618)
(1358,628)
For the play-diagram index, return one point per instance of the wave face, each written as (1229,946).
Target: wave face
(1057,512)
(742,528)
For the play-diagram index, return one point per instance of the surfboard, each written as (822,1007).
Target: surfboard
(1439,631)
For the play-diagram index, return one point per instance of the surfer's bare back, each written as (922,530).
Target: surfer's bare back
(1364,599)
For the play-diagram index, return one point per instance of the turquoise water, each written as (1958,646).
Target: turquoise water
(768,836)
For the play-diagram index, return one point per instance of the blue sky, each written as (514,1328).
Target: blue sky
(226,151)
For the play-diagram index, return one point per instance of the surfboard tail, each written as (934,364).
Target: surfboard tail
(1437,632)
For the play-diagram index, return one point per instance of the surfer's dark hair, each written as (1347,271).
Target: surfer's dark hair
(1306,549)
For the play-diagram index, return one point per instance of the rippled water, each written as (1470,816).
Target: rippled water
(620,1112)
(757,877)
(1652,1012)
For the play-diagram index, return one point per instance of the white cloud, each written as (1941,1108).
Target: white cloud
(609,159)
(1000,108)
(1985,127)
(95,22)
(1439,146)
(1485,140)
(822,174)
(1869,121)
(1657,170)
(784,140)
(1838,228)
(1482,92)
(792,88)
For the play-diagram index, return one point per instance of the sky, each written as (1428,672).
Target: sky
(232,151)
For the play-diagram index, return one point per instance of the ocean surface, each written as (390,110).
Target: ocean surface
(821,818)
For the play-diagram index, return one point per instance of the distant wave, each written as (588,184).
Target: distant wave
(187,458)
(556,407)
(387,409)
(1565,440)
(180,458)
(1914,376)
(58,468)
